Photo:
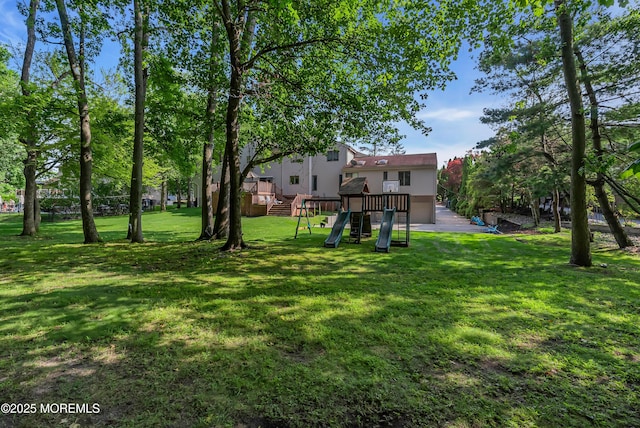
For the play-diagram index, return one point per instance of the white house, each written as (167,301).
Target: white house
(415,174)
(321,176)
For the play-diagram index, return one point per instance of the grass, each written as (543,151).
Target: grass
(457,330)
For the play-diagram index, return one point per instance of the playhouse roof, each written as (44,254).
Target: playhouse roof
(354,186)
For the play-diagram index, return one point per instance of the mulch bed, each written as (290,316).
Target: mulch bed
(506,226)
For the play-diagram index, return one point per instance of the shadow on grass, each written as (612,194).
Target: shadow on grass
(454,330)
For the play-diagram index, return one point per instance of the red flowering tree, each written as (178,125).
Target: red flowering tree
(451,175)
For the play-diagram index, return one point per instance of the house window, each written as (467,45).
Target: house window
(385,175)
(350,175)
(405,178)
(294,179)
(333,156)
(314,183)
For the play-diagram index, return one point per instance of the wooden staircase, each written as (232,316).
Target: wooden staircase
(281,210)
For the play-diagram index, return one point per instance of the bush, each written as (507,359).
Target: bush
(60,202)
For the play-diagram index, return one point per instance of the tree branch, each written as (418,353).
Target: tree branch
(250,63)
(255,162)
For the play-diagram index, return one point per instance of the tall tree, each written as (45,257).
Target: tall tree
(31,214)
(580,234)
(565,11)
(610,48)
(240,27)
(78,68)
(348,67)
(608,56)
(141,41)
(598,184)
(209,229)
(197,47)
(450,178)
(173,119)
(529,73)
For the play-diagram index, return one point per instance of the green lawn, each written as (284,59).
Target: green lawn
(457,330)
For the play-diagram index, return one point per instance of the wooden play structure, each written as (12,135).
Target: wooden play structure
(357,206)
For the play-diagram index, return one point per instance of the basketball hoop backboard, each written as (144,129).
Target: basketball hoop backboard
(390,186)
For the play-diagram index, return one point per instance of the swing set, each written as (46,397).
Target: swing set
(358,209)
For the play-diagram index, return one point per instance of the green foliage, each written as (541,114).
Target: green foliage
(530,150)
(174,121)
(634,168)
(466,202)
(111,142)
(450,178)
(11,164)
(11,176)
(528,157)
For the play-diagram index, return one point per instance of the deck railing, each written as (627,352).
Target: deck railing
(296,204)
(399,201)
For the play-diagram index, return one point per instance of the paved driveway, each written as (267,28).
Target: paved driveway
(448,221)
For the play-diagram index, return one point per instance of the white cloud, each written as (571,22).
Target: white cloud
(13,27)
(449,137)
(449,114)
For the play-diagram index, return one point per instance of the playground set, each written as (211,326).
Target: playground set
(355,208)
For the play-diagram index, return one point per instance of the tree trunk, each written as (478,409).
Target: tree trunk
(189,193)
(86,161)
(140,76)
(232,155)
(206,198)
(612,220)
(37,217)
(86,158)
(163,196)
(221,225)
(580,234)
(29,226)
(240,33)
(234,240)
(598,185)
(557,221)
(179,196)
(535,208)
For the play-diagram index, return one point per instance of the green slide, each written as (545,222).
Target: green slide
(336,231)
(386,227)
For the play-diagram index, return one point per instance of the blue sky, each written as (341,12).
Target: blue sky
(12,22)
(453,114)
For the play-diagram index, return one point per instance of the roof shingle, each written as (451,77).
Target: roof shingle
(395,161)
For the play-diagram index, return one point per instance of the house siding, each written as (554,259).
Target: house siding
(328,173)
(422,187)
(423,181)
